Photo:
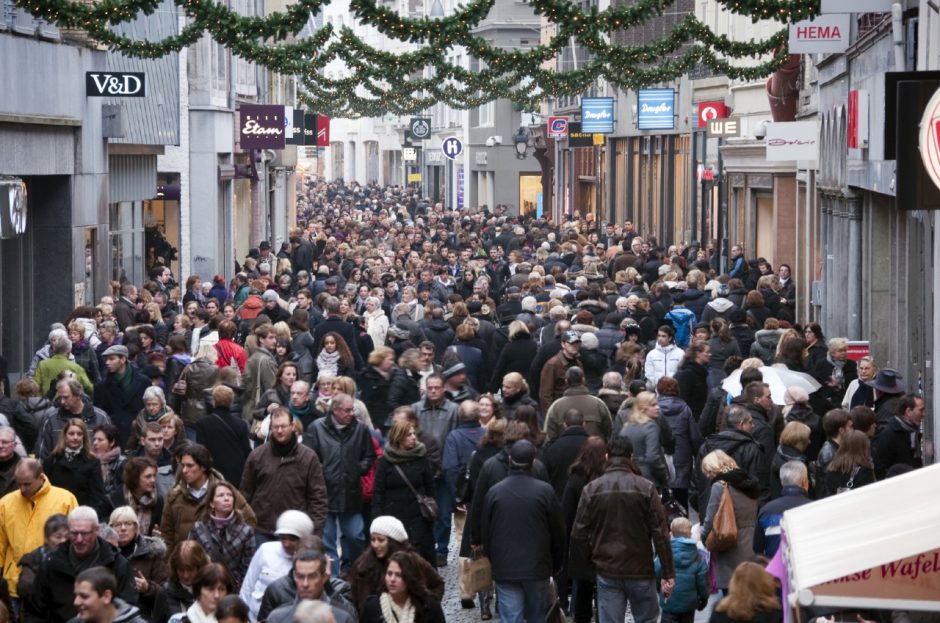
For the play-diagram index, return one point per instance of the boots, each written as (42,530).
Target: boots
(486,601)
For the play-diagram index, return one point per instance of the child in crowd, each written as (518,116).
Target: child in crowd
(691,589)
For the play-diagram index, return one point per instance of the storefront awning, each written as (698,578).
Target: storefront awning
(875,547)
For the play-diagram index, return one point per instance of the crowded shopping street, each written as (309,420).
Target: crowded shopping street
(373,311)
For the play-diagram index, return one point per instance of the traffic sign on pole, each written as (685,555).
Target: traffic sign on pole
(452,147)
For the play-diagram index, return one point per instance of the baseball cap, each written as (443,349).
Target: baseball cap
(570,337)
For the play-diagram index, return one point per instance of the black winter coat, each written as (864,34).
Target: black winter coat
(54,589)
(560,454)
(374,392)
(516,356)
(345,456)
(226,436)
(345,331)
(523,529)
(122,406)
(403,389)
(81,476)
(686,434)
(737,444)
(391,496)
(693,386)
(173,598)
(441,334)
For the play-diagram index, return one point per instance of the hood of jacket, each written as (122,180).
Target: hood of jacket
(729,441)
(768,337)
(671,406)
(720,305)
(125,611)
(693,294)
(685,554)
(439,325)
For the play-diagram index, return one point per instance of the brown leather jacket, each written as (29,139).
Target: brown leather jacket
(619,514)
(552,384)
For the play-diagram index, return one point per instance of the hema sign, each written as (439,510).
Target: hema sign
(597,115)
(115,84)
(656,109)
(825,33)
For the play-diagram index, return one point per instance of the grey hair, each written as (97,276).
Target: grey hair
(61,344)
(374,300)
(310,611)
(155,393)
(7,430)
(107,533)
(124,513)
(793,473)
(612,380)
(84,513)
(838,343)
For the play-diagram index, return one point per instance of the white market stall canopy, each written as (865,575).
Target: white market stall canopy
(875,547)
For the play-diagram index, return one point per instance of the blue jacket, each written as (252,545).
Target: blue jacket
(459,446)
(691,577)
(683,321)
(767,532)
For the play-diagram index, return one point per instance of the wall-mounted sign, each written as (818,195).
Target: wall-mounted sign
(597,115)
(858,119)
(479,157)
(577,138)
(115,84)
(13,207)
(656,109)
(414,177)
(310,129)
(295,131)
(262,126)
(855,6)
(451,147)
(825,33)
(711,110)
(420,128)
(323,131)
(598,139)
(409,154)
(793,140)
(723,128)
(930,138)
(557,127)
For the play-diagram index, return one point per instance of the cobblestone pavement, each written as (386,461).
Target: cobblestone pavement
(455,614)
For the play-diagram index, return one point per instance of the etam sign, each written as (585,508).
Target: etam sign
(115,84)
(824,34)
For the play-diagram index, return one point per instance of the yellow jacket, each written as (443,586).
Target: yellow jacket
(21,524)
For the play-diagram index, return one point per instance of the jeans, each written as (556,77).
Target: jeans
(613,594)
(523,602)
(582,600)
(350,526)
(445,508)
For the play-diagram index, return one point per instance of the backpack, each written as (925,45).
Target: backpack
(683,321)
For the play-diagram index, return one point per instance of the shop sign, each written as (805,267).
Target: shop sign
(723,128)
(577,138)
(914,578)
(295,131)
(115,84)
(451,147)
(409,154)
(262,127)
(420,128)
(856,6)
(708,111)
(793,140)
(414,178)
(323,131)
(597,115)
(930,138)
(858,119)
(859,349)
(656,109)
(557,127)
(460,188)
(310,129)
(824,34)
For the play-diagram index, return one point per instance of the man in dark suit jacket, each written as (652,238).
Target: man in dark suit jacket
(125,308)
(562,452)
(335,323)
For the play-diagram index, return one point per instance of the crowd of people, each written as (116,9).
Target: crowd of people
(302,442)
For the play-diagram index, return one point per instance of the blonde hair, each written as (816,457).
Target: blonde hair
(123,513)
(717,462)
(795,434)
(752,362)
(640,403)
(681,526)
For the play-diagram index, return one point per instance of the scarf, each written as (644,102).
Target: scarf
(300,414)
(221,522)
(124,381)
(913,432)
(106,458)
(740,480)
(837,370)
(281,450)
(70,454)
(328,362)
(392,613)
(80,564)
(195,614)
(143,506)
(400,455)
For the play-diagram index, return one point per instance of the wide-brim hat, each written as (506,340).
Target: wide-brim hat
(888,381)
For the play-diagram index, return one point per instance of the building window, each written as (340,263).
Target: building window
(487,114)
(127,241)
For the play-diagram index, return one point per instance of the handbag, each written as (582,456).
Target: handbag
(476,575)
(556,614)
(426,503)
(724,532)
(672,508)
(462,486)
(851,482)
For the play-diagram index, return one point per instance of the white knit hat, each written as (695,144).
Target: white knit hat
(294,523)
(389,526)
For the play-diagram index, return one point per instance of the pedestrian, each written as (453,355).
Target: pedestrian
(120,394)
(211,584)
(751,596)
(618,515)
(851,467)
(97,601)
(146,556)
(260,372)
(223,533)
(722,471)
(225,435)
(691,589)
(176,596)
(794,440)
(685,434)
(899,441)
(72,466)
(561,453)
(794,479)
(72,403)
(665,357)
(404,596)
(595,414)
(523,510)
(311,573)
(644,431)
(198,377)
(344,447)
(552,380)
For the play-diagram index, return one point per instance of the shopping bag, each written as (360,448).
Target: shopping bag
(724,532)
(476,575)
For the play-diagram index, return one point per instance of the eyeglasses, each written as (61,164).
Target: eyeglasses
(123,524)
(81,534)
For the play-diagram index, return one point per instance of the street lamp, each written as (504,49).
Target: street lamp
(521,141)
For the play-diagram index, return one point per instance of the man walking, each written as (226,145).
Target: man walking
(292,470)
(618,515)
(121,394)
(595,416)
(523,531)
(346,453)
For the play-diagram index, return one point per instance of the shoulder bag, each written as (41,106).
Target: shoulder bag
(724,532)
(851,482)
(426,503)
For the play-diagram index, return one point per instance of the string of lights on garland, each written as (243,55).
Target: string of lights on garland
(374,82)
